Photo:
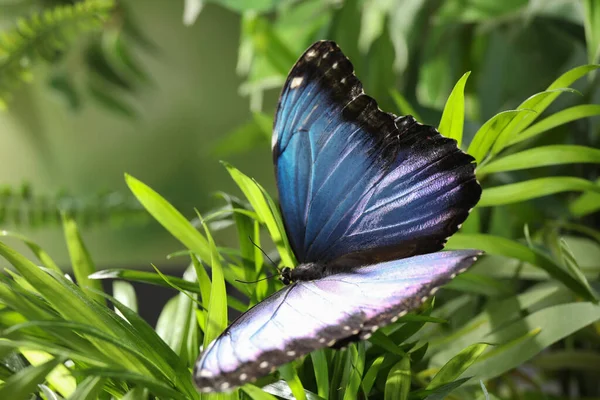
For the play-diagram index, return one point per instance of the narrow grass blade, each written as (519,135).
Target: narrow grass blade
(257,393)
(591,23)
(217,308)
(534,188)
(266,210)
(559,118)
(540,157)
(397,385)
(125,293)
(81,261)
(509,248)
(457,365)
(289,374)
(453,117)
(352,377)
(171,219)
(486,136)
(44,257)
(23,383)
(89,388)
(585,204)
(321,368)
(371,374)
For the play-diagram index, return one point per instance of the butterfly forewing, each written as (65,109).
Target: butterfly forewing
(355,182)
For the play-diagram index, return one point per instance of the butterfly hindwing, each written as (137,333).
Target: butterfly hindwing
(355,183)
(309,315)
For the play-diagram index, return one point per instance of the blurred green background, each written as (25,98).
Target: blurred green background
(192,102)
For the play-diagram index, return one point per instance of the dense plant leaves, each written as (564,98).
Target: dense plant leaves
(526,337)
(23,383)
(509,248)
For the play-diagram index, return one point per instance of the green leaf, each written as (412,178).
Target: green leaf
(319,361)
(509,248)
(397,385)
(536,104)
(540,157)
(369,378)
(216,321)
(527,336)
(267,212)
(453,117)
(191,10)
(169,218)
(44,257)
(585,204)
(557,119)
(257,393)
(486,136)
(457,365)
(591,23)
(23,383)
(81,261)
(155,279)
(90,388)
(570,262)
(125,293)
(289,374)
(534,188)
(353,371)
(380,339)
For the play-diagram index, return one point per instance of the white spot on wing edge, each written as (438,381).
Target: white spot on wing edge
(225,385)
(206,373)
(243,377)
(296,81)
(264,364)
(311,54)
(290,353)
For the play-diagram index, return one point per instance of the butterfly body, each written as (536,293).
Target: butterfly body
(367,198)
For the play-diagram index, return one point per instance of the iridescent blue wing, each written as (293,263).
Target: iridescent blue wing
(355,181)
(309,315)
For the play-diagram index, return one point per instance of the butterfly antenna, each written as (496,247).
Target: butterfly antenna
(265,254)
(258,280)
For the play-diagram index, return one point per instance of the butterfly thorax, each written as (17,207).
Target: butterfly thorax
(303,272)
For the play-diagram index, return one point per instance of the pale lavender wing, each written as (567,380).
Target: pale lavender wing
(306,316)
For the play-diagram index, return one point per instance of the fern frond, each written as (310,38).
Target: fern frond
(43,36)
(20,206)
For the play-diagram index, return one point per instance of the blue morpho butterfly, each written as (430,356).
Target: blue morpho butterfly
(366,198)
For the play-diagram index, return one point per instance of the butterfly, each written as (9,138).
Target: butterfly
(367,199)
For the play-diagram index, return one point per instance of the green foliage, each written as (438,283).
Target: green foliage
(523,319)
(42,36)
